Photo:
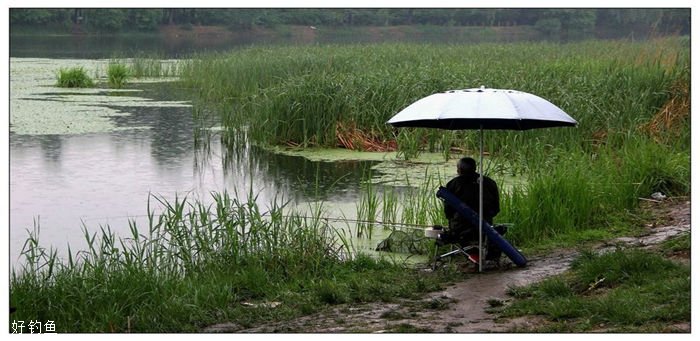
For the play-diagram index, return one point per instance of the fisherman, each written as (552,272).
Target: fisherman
(466,187)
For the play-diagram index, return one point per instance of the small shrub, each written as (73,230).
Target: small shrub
(117,75)
(74,78)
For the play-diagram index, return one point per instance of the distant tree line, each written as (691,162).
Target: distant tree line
(560,21)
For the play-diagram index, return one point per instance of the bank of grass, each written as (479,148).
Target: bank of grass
(568,200)
(631,100)
(306,96)
(200,264)
(627,290)
(579,197)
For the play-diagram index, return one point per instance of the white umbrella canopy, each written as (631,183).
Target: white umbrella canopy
(482,108)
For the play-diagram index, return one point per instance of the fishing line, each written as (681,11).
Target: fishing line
(268,214)
(415,226)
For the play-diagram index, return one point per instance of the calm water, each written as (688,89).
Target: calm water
(136,45)
(62,182)
(100,179)
(88,47)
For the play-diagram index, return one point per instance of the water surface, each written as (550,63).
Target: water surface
(63,178)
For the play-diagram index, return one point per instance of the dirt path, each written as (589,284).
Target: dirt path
(462,307)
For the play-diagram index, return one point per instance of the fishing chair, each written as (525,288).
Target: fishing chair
(468,247)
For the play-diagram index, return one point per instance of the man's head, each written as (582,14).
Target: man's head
(466,165)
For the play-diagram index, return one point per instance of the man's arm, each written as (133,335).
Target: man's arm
(449,211)
(496,200)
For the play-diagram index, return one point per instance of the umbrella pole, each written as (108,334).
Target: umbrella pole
(481,192)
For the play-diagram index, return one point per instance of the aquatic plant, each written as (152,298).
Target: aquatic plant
(153,66)
(117,75)
(286,95)
(197,264)
(75,77)
(367,210)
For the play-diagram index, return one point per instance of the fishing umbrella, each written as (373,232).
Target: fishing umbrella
(482,108)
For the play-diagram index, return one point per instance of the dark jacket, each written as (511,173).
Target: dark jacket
(466,188)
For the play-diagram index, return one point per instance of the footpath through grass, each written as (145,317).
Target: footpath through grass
(627,290)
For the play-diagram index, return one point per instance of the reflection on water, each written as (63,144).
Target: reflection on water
(65,181)
(309,180)
(119,46)
(149,44)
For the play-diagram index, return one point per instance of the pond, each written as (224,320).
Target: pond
(93,158)
(180,43)
(131,45)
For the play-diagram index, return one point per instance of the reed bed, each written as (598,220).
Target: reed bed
(298,96)
(153,66)
(633,138)
(565,198)
(198,264)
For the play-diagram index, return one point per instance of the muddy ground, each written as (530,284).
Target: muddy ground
(463,306)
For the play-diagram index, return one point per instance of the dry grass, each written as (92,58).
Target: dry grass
(351,137)
(668,121)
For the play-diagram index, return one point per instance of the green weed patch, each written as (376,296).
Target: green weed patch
(624,290)
(74,78)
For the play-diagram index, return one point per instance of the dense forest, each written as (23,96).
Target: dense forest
(563,22)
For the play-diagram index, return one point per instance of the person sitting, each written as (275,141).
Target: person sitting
(466,187)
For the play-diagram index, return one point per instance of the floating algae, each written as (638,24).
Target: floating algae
(38,107)
(390,169)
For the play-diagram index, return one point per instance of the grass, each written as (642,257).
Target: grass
(75,77)
(678,244)
(620,291)
(572,198)
(117,75)
(300,95)
(200,264)
(630,99)
(153,66)
(194,265)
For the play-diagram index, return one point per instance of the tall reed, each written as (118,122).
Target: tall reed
(194,265)
(290,95)
(575,192)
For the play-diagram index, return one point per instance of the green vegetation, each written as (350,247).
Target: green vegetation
(578,194)
(152,66)
(620,291)
(117,75)
(196,265)
(314,96)
(75,77)
(630,99)
(564,23)
(678,244)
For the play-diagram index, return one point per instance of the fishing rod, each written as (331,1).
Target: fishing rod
(408,225)
(268,214)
